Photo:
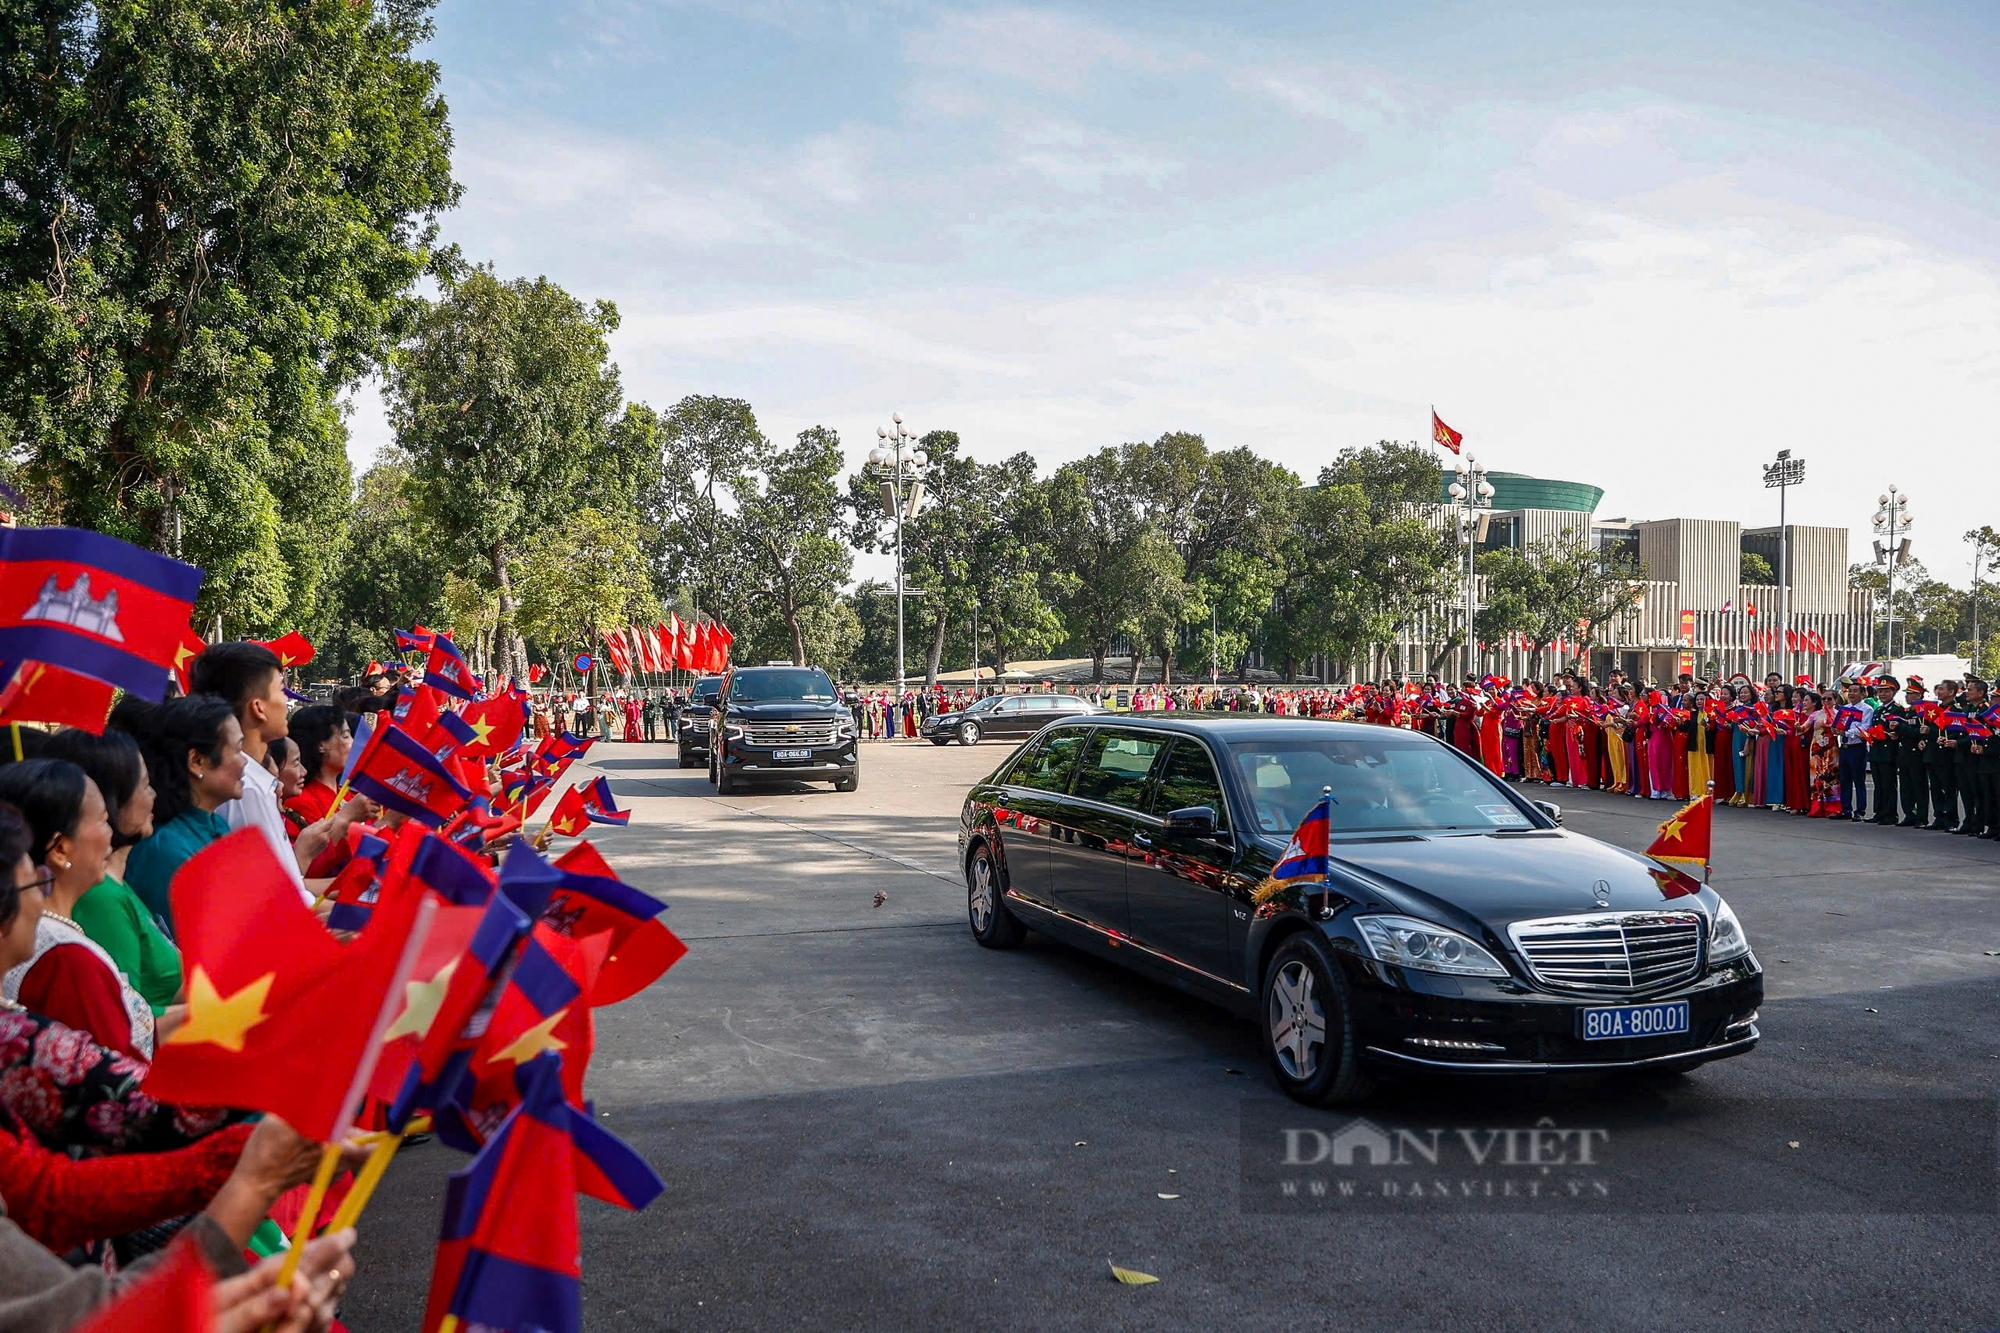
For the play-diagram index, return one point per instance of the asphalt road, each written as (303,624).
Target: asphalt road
(867,1122)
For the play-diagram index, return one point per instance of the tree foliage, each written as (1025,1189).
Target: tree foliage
(211,216)
(586,573)
(504,401)
(1558,589)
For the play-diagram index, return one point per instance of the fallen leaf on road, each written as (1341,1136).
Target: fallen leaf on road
(1132,1277)
(1237,1072)
(1793,1144)
(880,897)
(1993,953)
(1874,1011)
(1083,1143)
(1170,1196)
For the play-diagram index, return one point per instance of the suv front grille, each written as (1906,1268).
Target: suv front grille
(699,724)
(776,735)
(1612,951)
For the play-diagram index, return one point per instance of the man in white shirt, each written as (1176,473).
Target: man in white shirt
(251,680)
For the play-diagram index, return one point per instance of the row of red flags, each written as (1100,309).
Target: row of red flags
(698,645)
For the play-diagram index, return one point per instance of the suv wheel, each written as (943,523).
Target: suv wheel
(968,733)
(986,903)
(1308,1025)
(851,782)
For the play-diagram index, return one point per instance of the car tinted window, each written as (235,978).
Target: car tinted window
(1011,704)
(1378,783)
(1069,703)
(1115,767)
(1188,778)
(1048,761)
(802,683)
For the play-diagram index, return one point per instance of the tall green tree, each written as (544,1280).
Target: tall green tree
(504,400)
(787,526)
(1111,557)
(390,573)
(708,447)
(1015,582)
(584,574)
(1558,589)
(212,213)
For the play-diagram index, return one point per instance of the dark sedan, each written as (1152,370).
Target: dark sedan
(1460,928)
(1004,716)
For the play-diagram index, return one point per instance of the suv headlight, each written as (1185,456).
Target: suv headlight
(733,730)
(844,727)
(1725,935)
(1408,942)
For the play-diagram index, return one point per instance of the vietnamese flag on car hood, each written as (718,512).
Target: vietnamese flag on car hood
(93,605)
(282,1017)
(1684,837)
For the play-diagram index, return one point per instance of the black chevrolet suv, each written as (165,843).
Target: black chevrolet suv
(693,736)
(781,723)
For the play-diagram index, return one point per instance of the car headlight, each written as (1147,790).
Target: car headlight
(1725,935)
(1408,942)
(844,729)
(733,731)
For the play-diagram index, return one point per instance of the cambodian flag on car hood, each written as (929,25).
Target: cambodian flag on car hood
(93,605)
(1305,858)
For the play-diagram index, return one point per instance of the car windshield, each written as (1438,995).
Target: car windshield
(768,686)
(986,705)
(1379,784)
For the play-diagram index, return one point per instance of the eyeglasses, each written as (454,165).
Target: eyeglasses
(40,883)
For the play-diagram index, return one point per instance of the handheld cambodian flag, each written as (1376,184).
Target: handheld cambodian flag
(403,776)
(447,670)
(590,899)
(1305,858)
(415,640)
(93,605)
(509,1255)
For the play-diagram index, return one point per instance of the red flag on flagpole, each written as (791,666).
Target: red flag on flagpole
(39,692)
(1684,837)
(1444,435)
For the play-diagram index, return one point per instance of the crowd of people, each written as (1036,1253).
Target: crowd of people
(96,1176)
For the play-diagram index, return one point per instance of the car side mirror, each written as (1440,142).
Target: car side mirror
(1194,821)
(1552,810)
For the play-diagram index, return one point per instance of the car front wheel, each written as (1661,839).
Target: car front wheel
(986,903)
(968,733)
(1308,1025)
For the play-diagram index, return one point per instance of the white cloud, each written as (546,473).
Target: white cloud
(1044,48)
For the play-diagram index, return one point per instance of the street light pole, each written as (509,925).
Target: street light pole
(1471,492)
(898,449)
(1892,524)
(1783,474)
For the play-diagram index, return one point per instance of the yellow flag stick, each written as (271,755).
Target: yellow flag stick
(329,1161)
(370,1176)
(15,728)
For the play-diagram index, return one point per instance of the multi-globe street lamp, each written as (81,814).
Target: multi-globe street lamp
(1892,524)
(1781,476)
(899,465)
(1473,495)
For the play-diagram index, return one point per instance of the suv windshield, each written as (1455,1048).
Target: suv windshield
(801,683)
(705,692)
(1378,784)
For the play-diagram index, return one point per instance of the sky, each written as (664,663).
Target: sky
(1644,246)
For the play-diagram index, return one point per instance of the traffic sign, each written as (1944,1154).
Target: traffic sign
(582,662)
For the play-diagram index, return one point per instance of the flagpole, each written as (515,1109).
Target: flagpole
(329,1161)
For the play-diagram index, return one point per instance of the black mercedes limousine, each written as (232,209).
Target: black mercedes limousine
(1459,929)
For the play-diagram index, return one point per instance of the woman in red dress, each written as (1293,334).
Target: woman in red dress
(324,741)
(67,975)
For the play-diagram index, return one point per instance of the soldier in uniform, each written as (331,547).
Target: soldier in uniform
(650,713)
(1882,753)
(1913,779)
(1941,763)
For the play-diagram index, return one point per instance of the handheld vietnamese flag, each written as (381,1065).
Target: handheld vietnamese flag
(93,605)
(1444,435)
(545,1006)
(292,648)
(1684,838)
(590,899)
(38,692)
(190,647)
(282,1017)
(173,1298)
(1305,858)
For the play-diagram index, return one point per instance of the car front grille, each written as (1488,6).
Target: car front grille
(697,724)
(776,735)
(1612,951)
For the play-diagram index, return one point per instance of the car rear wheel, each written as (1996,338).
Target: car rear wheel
(986,903)
(968,733)
(1308,1025)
